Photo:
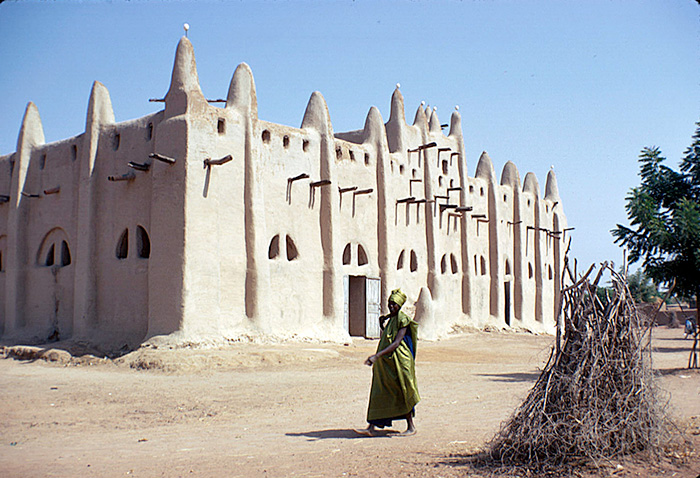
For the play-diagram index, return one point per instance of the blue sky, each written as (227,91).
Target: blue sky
(582,86)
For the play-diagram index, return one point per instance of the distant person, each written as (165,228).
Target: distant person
(689,328)
(394,393)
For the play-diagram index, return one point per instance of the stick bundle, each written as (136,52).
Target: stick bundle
(594,399)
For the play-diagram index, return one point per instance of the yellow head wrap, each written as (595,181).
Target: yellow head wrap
(397,297)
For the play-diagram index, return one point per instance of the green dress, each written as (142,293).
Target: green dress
(394,391)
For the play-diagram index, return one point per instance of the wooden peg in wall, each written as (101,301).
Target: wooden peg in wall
(217,162)
(162,158)
(139,167)
(130,176)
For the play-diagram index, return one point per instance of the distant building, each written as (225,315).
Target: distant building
(199,221)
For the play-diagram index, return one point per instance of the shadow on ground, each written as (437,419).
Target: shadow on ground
(342,433)
(512,377)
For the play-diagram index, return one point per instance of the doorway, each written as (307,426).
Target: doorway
(362,307)
(506,289)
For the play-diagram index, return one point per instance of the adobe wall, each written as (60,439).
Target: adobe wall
(206,222)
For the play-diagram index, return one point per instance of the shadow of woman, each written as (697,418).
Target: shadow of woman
(343,433)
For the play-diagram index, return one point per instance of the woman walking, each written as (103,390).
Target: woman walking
(394,393)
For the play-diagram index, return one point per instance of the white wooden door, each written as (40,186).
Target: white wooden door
(373,291)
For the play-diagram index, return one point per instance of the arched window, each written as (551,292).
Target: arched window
(347,253)
(414,261)
(550,272)
(361,256)
(529,270)
(143,243)
(443,263)
(292,252)
(123,245)
(54,249)
(274,249)
(453,263)
(49,261)
(507,267)
(399,263)
(65,254)
(483,266)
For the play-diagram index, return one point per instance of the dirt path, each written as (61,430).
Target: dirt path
(282,410)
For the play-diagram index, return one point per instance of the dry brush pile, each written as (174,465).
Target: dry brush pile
(595,398)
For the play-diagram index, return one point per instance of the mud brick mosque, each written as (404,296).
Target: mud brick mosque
(201,221)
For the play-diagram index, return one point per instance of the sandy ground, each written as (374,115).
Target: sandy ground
(284,410)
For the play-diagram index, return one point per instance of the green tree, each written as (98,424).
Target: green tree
(664,215)
(641,287)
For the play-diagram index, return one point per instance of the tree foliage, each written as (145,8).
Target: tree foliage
(664,215)
(641,287)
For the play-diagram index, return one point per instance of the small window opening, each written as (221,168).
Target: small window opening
(452,183)
(366,159)
(547,207)
(149,132)
(453,263)
(483,266)
(73,152)
(399,263)
(507,267)
(305,145)
(528,203)
(42,161)
(65,254)
(274,249)
(440,181)
(338,152)
(292,252)
(481,191)
(116,140)
(361,256)
(476,269)
(352,155)
(444,166)
(550,272)
(443,264)
(471,188)
(123,245)
(346,255)
(266,136)
(49,256)
(413,173)
(414,261)
(529,270)
(505,198)
(285,141)
(221,126)
(401,169)
(143,243)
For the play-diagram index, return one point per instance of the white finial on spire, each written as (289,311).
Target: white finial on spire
(186,26)
(422,103)
(434,108)
(456,107)
(398,85)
